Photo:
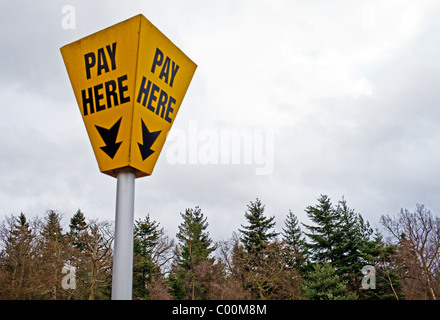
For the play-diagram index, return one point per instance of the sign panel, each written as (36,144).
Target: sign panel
(129,81)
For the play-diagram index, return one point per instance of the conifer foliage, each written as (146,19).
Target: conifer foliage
(323,284)
(192,255)
(152,251)
(322,258)
(256,235)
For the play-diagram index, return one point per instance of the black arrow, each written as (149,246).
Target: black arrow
(148,140)
(109,136)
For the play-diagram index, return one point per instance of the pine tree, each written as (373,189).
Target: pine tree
(294,241)
(147,233)
(323,234)
(52,231)
(388,282)
(323,284)
(260,255)
(146,237)
(78,229)
(19,258)
(352,243)
(292,232)
(340,237)
(256,235)
(195,241)
(52,254)
(195,247)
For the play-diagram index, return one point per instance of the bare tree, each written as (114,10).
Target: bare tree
(161,255)
(228,284)
(98,244)
(418,233)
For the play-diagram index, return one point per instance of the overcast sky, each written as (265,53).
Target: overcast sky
(333,97)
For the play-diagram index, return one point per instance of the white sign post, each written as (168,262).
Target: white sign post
(122,281)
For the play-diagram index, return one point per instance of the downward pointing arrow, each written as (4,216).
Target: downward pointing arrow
(109,136)
(148,140)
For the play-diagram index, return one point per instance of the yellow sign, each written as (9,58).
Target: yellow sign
(129,81)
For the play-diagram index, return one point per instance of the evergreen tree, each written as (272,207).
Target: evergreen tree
(350,252)
(259,258)
(19,258)
(256,235)
(196,244)
(292,232)
(195,247)
(52,254)
(52,231)
(323,234)
(340,237)
(77,239)
(323,284)
(294,241)
(146,237)
(388,282)
(78,229)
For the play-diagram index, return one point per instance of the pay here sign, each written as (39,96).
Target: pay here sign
(129,81)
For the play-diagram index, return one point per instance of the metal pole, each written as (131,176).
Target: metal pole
(123,249)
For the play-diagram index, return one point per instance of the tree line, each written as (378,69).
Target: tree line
(318,261)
